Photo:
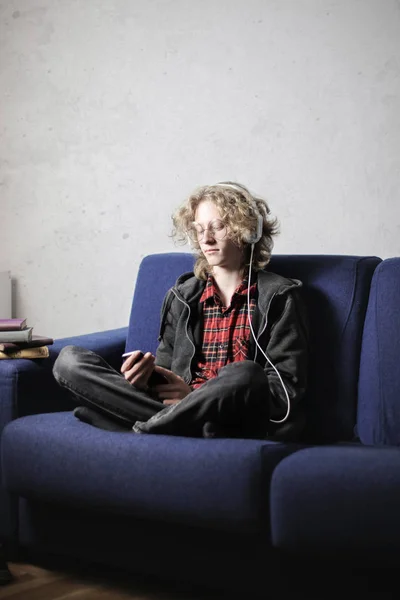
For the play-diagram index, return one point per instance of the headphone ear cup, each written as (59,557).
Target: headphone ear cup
(252,237)
(246,237)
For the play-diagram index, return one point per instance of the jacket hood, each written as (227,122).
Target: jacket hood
(190,288)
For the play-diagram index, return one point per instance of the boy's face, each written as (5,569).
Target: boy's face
(214,240)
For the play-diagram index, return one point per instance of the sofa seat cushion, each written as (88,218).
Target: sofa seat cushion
(217,483)
(337,500)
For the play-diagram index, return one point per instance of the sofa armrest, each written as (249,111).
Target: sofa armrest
(28,386)
(109,344)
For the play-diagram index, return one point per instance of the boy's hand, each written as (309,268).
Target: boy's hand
(175,390)
(137,370)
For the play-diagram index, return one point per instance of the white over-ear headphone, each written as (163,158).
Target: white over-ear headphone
(252,237)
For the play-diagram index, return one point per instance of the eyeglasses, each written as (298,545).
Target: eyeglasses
(217,229)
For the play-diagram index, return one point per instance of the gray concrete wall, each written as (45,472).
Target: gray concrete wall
(112,111)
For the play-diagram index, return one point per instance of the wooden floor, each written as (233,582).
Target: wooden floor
(36,583)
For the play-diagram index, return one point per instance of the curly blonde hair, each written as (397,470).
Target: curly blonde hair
(236,206)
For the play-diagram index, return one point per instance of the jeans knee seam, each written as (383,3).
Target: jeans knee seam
(86,396)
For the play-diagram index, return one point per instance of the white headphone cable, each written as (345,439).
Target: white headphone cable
(259,347)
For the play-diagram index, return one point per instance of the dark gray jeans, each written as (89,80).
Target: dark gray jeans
(237,400)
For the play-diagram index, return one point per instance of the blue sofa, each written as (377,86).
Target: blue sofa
(216,512)
(343,500)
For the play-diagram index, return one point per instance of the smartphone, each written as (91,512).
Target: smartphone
(140,355)
(156,379)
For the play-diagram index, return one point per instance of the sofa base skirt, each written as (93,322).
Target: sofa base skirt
(202,557)
(236,563)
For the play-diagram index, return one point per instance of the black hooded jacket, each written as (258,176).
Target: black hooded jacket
(280,324)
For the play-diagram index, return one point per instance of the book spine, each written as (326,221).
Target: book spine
(9,347)
(24,335)
(40,352)
(12,324)
(35,342)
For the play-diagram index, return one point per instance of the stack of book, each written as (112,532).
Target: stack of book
(17,340)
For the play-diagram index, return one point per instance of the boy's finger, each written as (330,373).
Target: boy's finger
(146,365)
(131,360)
(166,372)
(166,395)
(164,387)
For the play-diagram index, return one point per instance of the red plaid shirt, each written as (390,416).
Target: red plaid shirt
(226,331)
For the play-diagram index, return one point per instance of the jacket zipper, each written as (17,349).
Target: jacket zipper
(264,327)
(187,379)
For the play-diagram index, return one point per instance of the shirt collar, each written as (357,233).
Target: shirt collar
(210,291)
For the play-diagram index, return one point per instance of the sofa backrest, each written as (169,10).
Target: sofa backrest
(336,290)
(379,383)
(157,273)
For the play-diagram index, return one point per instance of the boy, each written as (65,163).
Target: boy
(233,346)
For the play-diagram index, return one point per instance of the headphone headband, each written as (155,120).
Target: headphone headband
(231,185)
